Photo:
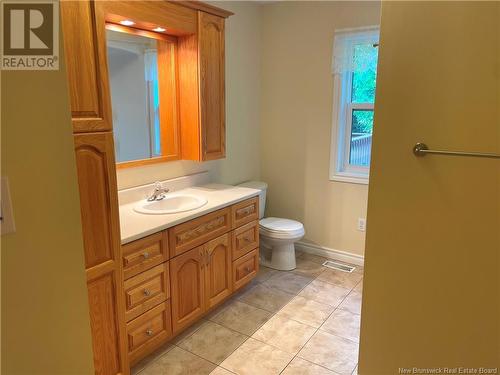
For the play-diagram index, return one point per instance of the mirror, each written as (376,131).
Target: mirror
(142,79)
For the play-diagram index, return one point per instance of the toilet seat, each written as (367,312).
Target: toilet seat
(276,227)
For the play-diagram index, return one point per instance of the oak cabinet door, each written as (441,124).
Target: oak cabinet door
(212,86)
(101,240)
(187,282)
(98,198)
(82,26)
(218,280)
(104,325)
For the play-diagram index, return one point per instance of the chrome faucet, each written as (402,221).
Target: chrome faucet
(158,193)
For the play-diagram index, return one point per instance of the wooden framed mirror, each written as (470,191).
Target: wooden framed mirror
(143,79)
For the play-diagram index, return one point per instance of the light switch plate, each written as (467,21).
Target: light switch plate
(361,224)
(7,224)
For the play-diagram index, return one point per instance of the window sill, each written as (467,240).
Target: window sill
(350,178)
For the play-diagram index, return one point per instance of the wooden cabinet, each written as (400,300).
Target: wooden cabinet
(245,268)
(188,287)
(148,331)
(146,290)
(245,238)
(145,253)
(212,86)
(202,96)
(201,278)
(104,324)
(83,30)
(195,286)
(195,232)
(245,212)
(218,280)
(101,239)
(209,260)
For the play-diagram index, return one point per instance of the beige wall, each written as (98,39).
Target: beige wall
(297,89)
(431,289)
(45,320)
(242,109)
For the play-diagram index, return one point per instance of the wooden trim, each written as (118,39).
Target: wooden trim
(141,162)
(207,8)
(177,19)
(100,269)
(140,32)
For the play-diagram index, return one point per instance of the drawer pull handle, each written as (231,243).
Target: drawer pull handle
(245,211)
(145,255)
(247,269)
(147,292)
(149,332)
(247,239)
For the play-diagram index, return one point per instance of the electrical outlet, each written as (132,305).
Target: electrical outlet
(361,224)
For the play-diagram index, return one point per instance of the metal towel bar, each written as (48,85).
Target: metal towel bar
(421,149)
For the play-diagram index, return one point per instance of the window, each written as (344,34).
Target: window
(355,73)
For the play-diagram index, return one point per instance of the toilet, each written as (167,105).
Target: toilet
(277,236)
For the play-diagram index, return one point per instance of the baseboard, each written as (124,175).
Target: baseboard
(327,252)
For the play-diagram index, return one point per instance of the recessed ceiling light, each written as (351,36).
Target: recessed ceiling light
(127,23)
(159,29)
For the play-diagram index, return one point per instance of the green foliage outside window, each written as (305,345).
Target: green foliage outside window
(364,80)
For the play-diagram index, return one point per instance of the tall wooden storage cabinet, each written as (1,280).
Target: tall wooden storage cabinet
(91,119)
(200,31)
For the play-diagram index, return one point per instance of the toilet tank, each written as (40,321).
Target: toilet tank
(258,185)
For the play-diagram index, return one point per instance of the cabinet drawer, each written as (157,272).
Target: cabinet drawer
(188,235)
(245,238)
(146,290)
(245,268)
(144,254)
(245,211)
(148,331)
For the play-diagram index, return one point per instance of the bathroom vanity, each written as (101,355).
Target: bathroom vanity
(147,291)
(179,266)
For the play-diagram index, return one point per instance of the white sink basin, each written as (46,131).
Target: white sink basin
(171,204)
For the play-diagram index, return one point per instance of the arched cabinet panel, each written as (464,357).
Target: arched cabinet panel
(95,204)
(187,282)
(101,238)
(218,280)
(212,86)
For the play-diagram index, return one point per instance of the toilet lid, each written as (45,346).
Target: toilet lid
(278,225)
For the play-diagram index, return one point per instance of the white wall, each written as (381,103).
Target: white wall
(128,97)
(297,88)
(242,109)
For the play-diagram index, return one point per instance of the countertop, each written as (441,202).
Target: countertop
(134,225)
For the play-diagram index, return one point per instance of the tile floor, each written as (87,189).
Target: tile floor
(305,321)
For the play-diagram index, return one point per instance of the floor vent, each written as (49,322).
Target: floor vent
(339,266)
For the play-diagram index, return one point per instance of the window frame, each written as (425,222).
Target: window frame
(340,168)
